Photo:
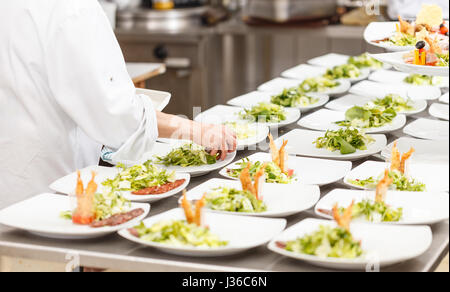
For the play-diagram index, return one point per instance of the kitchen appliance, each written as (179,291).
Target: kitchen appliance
(281,11)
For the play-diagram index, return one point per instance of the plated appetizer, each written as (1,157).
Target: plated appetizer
(394,101)
(243,130)
(264,113)
(99,210)
(423,80)
(318,84)
(397,173)
(365,61)
(328,242)
(187,155)
(188,232)
(346,141)
(346,71)
(275,171)
(293,97)
(428,53)
(368,117)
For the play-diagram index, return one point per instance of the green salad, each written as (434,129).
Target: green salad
(346,141)
(376,212)
(292,97)
(443,59)
(327,242)
(418,79)
(264,112)
(179,233)
(365,61)
(139,177)
(396,102)
(400,182)
(343,72)
(318,84)
(233,200)
(273,172)
(105,206)
(403,40)
(368,117)
(243,130)
(187,155)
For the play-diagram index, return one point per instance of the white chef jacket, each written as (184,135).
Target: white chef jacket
(64,92)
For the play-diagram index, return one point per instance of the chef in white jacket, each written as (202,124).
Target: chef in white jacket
(65,92)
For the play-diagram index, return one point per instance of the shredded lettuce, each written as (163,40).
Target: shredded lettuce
(187,155)
(265,113)
(345,71)
(346,141)
(273,171)
(233,200)
(292,97)
(368,117)
(400,182)
(376,212)
(318,84)
(365,61)
(243,130)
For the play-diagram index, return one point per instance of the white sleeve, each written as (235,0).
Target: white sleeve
(89,81)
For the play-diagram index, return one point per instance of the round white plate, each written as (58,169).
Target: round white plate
(396,60)
(304,71)
(223,113)
(424,208)
(242,233)
(395,77)
(439,111)
(428,129)
(301,144)
(401,243)
(40,215)
(346,102)
(308,171)
(376,31)
(444,98)
(162,149)
(278,84)
(255,97)
(66,185)
(364,75)
(434,176)
(324,119)
(281,200)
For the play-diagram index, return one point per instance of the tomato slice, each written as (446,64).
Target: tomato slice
(290,172)
(77,219)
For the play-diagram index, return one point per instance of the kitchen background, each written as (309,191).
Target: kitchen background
(215,50)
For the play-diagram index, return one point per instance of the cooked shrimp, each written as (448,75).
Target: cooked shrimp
(395,158)
(79,190)
(187,208)
(344,220)
(198,211)
(274,151)
(383,187)
(282,155)
(246,181)
(405,157)
(406,27)
(92,186)
(434,46)
(258,175)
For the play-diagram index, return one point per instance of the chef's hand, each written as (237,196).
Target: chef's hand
(217,139)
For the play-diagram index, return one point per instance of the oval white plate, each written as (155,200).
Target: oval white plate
(301,144)
(418,208)
(402,243)
(428,129)
(303,71)
(395,77)
(426,151)
(42,217)
(234,229)
(308,171)
(396,60)
(278,84)
(220,114)
(434,176)
(346,102)
(376,31)
(281,200)
(324,119)
(378,90)
(255,97)
(66,185)
(439,111)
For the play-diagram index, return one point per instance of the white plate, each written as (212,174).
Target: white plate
(301,144)
(162,149)
(434,176)
(376,31)
(304,71)
(346,102)
(66,185)
(329,60)
(40,215)
(401,243)
(160,99)
(426,151)
(278,84)
(418,208)
(424,92)
(255,97)
(428,129)
(395,77)
(444,98)
(220,114)
(308,171)
(324,119)
(234,229)
(439,111)
(281,200)
(396,60)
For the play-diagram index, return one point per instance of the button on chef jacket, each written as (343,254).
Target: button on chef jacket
(64,92)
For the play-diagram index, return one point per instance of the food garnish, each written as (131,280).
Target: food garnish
(347,141)
(243,130)
(345,71)
(394,101)
(264,113)
(365,61)
(187,155)
(293,97)
(318,84)
(368,116)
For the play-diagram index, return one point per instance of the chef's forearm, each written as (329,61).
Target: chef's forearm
(171,126)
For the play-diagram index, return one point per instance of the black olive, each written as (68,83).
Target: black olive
(420,45)
(446,34)
(442,25)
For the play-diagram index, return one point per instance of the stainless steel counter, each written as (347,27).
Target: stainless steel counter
(113,252)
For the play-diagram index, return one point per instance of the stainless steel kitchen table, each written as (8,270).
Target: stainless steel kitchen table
(113,252)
